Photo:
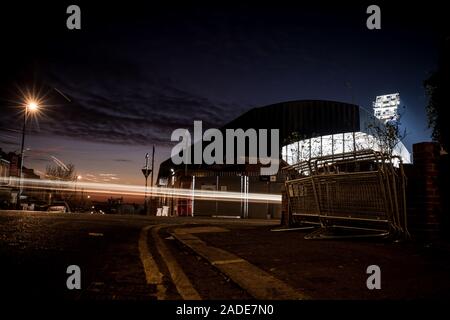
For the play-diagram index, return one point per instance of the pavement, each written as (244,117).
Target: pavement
(160,258)
(336,269)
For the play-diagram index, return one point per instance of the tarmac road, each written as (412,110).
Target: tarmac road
(36,249)
(149,258)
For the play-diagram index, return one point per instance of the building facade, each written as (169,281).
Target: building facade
(307,129)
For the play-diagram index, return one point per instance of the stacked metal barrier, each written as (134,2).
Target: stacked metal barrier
(362,191)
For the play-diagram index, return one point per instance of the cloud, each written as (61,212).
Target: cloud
(126,108)
(122,92)
(38,159)
(122,160)
(117,100)
(8,142)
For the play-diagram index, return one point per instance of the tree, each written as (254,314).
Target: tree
(62,173)
(437,88)
(57,172)
(387,135)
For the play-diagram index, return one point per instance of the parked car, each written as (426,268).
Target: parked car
(59,206)
(40,206)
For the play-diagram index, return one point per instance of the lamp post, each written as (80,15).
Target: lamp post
(146,171)
(30,106)
(151,177)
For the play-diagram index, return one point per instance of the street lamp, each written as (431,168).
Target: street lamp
(146,171)
(30,107)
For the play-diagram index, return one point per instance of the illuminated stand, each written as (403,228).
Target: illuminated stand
(385,109)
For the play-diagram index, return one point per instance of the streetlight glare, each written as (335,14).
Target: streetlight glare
(32,102)
(32,106)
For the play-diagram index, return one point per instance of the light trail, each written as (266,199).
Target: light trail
(60,163)
(135,190)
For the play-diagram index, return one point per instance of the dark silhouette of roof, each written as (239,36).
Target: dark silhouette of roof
(305,118)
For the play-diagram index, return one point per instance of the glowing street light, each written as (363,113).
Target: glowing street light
(31,106)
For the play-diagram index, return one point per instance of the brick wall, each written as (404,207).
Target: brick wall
(424,192)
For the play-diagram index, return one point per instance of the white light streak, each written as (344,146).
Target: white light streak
(60,163)
(135,190)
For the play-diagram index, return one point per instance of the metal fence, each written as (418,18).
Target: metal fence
(362,191)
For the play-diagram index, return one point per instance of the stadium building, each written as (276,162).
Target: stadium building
(307,129)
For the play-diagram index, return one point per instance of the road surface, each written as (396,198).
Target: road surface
(150,258)
(36,249)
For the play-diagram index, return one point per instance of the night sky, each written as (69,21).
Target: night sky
(137,71)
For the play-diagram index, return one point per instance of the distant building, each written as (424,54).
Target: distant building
(385,107)
(29,173)
(4,171)
(5,191)
(10,168)
(13,162)
(5,167)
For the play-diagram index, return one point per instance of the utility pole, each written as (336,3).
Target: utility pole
(21,158)
(151,181)
(30,107)
(146,171)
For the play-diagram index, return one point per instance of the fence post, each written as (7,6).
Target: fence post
(425,205)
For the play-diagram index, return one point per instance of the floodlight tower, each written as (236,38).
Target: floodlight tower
(385,107)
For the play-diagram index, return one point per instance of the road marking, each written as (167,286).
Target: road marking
(227,261)
(152,273)
(179,278)
(292,229)
(257,282)
(203,229)
(95,234)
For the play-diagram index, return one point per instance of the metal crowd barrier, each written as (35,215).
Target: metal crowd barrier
(362,191)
